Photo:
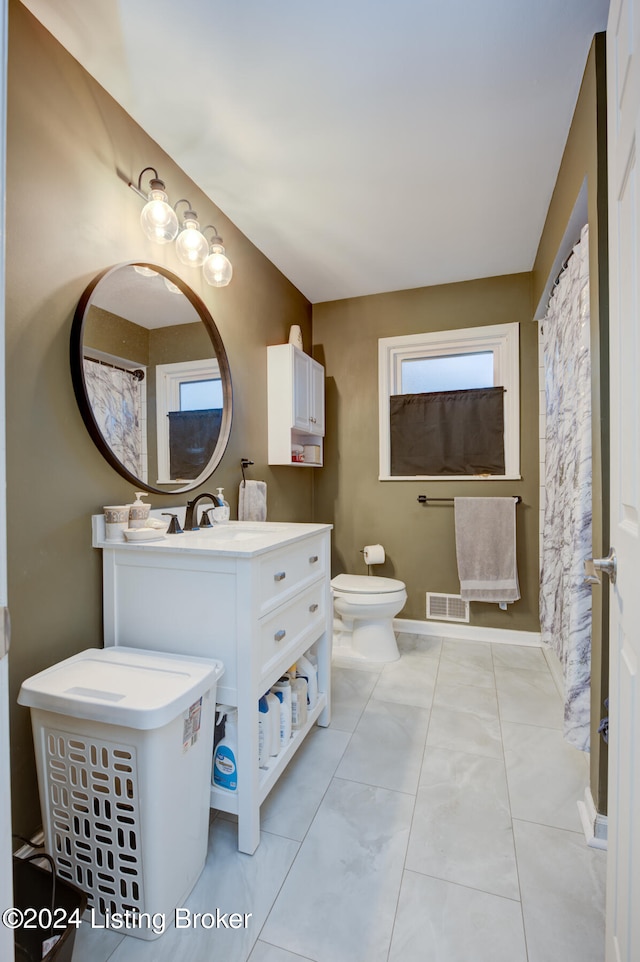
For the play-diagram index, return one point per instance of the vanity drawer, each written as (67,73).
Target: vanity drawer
(281,631)
(283,573)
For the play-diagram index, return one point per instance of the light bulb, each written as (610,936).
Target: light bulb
(144,271)
(158,219)
(191,245)
(217,268)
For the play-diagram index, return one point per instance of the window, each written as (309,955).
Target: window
(463,360)
(186,386)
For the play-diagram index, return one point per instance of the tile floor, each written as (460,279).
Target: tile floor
(434,821)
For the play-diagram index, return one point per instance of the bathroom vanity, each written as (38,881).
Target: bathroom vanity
(254,595)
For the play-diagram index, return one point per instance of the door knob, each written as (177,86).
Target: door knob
(609,565)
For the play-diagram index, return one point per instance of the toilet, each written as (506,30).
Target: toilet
(366,607)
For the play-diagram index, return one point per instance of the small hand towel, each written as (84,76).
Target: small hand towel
(486,549)
(252,501)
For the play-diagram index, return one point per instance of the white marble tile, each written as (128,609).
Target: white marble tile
(290,807)
(441,922)
(94,944)
(480,701)
(386,747)
(546,776)
(464,731)
(461,829)
(231,882)
(449,673)
(262,952)
(470,654)
(519,656)
(350,692)
(424,645)
(409,681)
(338,901)
(529,697)
(563,894)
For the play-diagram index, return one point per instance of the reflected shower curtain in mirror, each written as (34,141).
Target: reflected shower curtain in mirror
(116,401)
(565,598)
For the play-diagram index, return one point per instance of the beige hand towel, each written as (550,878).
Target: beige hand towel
(252,501)
(486,549)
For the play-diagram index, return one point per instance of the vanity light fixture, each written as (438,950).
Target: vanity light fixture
(191,244)
(217,269)
(161,224)
(158,219)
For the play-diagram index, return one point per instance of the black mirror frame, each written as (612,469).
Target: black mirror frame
(80,387)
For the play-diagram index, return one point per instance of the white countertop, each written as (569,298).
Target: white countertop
(232,539)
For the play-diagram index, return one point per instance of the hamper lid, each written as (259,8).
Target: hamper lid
(122,686)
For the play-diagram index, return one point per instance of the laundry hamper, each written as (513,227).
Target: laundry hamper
(123,741)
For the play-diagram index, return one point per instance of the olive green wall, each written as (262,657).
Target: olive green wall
(585,157)
(70,214)
(419,540)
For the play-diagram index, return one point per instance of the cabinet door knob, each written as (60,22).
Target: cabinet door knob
(313,607)
(280,576)
(313,559)
(279,635)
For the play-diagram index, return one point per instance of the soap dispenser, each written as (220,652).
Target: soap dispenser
(222,513)
(139,511)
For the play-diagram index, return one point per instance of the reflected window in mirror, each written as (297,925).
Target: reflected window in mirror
(189,408)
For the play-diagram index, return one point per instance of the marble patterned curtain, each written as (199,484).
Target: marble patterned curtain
(565,598)
(115,399)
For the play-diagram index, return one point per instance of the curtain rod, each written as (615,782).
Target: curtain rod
(423,499)
(136,373)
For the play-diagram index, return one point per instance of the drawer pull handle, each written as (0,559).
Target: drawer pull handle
(279,635)
(280,576)
(313,608)
(313,559)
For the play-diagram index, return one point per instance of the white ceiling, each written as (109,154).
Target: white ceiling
(363,146)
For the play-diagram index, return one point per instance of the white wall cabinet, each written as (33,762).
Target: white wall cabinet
(295,403)
(254,596)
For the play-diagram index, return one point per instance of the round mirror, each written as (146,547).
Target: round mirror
(151,377)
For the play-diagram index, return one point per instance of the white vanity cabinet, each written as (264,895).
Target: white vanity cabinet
(255,596)
(295,403)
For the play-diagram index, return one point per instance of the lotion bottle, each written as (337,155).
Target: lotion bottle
(222,513)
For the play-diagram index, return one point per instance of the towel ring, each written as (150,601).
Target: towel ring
(244,463)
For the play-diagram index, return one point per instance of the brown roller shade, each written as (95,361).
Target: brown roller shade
(448,432)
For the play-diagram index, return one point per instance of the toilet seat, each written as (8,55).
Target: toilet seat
(365,585)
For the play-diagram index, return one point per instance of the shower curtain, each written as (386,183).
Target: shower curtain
(115,398)
(565,598)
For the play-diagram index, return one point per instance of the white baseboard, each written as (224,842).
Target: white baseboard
(594,826)
(463,632)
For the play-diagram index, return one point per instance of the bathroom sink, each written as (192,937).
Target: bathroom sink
(241,531)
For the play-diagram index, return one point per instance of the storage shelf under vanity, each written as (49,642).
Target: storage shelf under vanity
(226,801)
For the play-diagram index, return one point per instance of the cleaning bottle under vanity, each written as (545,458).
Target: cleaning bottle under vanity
(298,700)
(282,690)
(225,770)
(307,670)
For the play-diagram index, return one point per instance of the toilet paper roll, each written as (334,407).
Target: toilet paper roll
(373,554)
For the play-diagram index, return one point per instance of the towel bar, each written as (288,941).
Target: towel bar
(423,499)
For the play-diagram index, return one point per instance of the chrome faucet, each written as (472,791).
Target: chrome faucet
(189,515)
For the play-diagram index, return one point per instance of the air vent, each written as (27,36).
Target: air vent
(447,607)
